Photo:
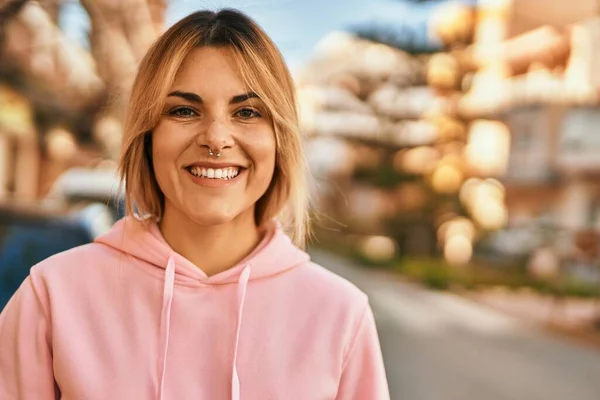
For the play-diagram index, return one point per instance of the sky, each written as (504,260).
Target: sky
(294,26)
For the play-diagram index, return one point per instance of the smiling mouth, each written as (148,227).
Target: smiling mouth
(214,173)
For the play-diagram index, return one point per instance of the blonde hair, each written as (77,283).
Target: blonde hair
(263,69)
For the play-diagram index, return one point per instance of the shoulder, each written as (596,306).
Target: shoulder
(327,300)
(329,289)
(80,260)
(324,279)
(67,272)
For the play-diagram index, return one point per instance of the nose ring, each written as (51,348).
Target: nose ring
(211,153)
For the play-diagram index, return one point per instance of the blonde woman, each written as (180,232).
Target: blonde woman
(205,296)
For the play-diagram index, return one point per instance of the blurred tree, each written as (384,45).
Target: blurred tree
(75,83)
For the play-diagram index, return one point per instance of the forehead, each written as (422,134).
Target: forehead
(209,67)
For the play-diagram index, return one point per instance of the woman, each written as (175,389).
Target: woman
(205,297)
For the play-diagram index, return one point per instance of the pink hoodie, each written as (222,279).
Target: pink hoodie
(128,318)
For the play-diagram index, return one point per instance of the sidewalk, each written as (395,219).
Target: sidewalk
(576,318)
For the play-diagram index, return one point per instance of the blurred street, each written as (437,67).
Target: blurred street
(440,346)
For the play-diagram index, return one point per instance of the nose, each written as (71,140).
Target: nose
(216,135)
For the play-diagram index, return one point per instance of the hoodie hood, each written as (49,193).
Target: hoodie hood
(275,254)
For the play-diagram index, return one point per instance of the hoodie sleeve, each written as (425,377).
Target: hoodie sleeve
(363,375)
(26,371)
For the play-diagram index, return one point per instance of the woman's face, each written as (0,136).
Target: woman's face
(209,108)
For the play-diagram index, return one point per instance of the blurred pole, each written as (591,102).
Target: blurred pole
(27,166)
(4,170)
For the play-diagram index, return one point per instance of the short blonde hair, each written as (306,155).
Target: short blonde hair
(263,69)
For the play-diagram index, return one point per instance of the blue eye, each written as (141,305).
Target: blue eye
(183,112)
(248,113)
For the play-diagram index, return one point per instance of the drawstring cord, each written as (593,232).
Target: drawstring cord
(165,325)
(241,298)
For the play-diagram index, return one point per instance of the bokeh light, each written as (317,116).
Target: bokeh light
(378,248)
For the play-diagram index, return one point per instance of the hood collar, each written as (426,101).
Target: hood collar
(275,254)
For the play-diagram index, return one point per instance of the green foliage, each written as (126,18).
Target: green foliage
(384,177)
(436,273)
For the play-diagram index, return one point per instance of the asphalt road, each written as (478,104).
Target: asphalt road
(439,346)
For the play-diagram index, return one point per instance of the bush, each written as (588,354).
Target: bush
(436,273)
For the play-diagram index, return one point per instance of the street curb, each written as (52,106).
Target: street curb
(587,337)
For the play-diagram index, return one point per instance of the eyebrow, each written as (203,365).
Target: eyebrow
(194,98)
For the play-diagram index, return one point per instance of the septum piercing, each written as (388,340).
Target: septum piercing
(210,153)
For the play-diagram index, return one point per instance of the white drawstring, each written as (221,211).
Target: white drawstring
(242,286)
(165,324)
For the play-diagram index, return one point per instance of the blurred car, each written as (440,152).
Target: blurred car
(79,185)
(89,202)
(29,236)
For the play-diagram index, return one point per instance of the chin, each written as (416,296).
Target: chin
(214,215)
(212,220)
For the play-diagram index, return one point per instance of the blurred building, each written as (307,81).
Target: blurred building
(539,61)
(554,165)
(494,130)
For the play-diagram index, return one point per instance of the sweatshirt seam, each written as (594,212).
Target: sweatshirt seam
(356,330)
(34,285)
(196,285)
(160,276)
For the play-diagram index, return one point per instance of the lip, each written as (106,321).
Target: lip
(214,165)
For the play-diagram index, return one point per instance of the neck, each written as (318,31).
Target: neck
(212,248)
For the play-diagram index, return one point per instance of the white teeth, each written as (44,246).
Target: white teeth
(223,173)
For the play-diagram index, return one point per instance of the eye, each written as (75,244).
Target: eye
(248,113)
(183,112)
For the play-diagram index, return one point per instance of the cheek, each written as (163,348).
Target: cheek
(165,151)
(158,152)
(263,153)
